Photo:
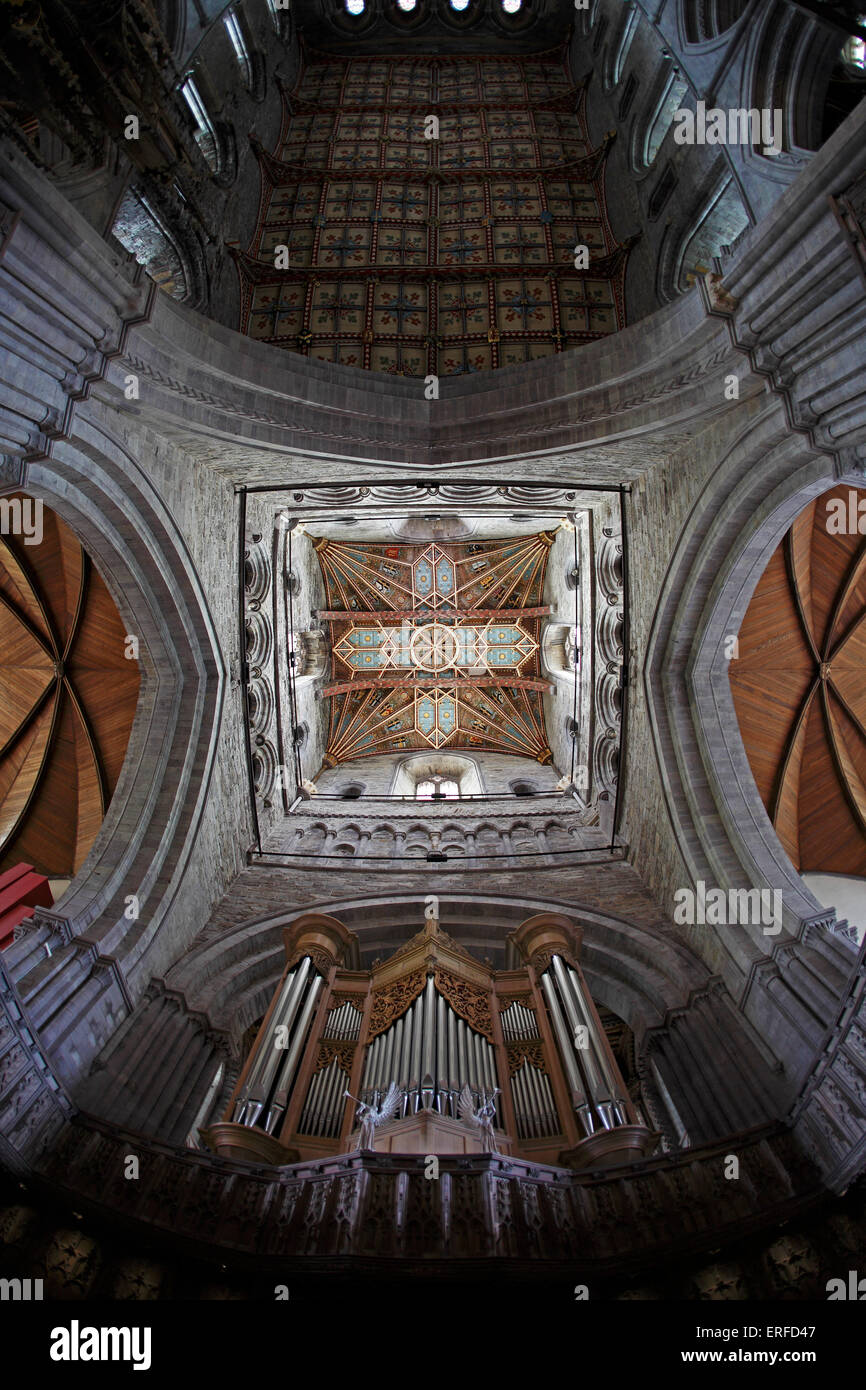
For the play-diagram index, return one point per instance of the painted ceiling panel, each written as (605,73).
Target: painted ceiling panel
(428,212)
(435,645)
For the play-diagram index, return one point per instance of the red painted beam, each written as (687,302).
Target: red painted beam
(446,683)
(21,889)
(386,616)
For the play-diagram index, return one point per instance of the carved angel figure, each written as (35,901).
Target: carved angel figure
(372,1116)
(482,1118)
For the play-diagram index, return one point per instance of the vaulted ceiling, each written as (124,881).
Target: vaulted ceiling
(67,700)
(422,216)
(799,686)
(435,645)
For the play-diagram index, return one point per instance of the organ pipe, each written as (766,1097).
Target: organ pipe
(441,1055)
(565,1045)
(417,1043)
(563,986)
(259,1080)
(429,1027)
(323,1111)
(587,1056)
(591,1024)
(431,1054)
(287,1070)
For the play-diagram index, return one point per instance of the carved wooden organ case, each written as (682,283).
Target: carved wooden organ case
(434,1020)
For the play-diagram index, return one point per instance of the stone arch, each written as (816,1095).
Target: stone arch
(641,973)
(704,21)
(459,767)
(383,839)
(722,831)
(147,839)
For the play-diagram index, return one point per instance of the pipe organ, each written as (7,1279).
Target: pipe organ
(452,1035)
(431,1053)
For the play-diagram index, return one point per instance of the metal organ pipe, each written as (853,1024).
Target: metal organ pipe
(370,1063)
(290,1061)
(536,1100)
(427,1054)
(601,1051)
(596,1083)
(461,1050)
(453,1060)
(402,1077)
(575,1080)
(431,1053)
(562,983)
(333,1109)
(268,1056)
(441,1056)
(417,1045)
(388,1049)
(312,1117)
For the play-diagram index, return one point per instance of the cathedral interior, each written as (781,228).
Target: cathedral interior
(432,646)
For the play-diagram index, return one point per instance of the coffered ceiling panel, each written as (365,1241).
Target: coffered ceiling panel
(421,216)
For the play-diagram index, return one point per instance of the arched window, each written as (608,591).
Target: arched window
(437,776)
(406,5)
(279,10)
(205,134)
(143,231)
(512,6)
(662,119)
(854,50)
(459,5)
(721,220)
(561,648)
(236,38)
(628,32)
(437,788)
(355,7)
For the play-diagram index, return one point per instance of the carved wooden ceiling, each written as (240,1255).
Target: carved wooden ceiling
(445,255)
(67,700)
(435,645)
(799,687)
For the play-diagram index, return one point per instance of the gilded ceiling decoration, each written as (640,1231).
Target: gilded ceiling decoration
(434,646)
(430,211)
(799,686)
(67,700)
